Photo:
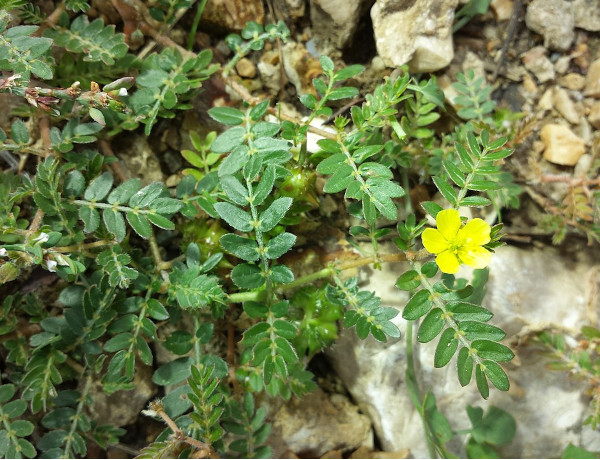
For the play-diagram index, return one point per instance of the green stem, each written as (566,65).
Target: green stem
(77,417)
(414,391)
(194,28)
(450,322)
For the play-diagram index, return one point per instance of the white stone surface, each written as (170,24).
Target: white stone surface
(554,20)
(528,290)
(417,32)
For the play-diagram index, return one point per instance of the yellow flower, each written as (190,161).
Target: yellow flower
(455,245)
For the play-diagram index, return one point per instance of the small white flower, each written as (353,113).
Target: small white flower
(3,252)
(150,413)
(51,265)
(123,92)
(41,238)
(60,259)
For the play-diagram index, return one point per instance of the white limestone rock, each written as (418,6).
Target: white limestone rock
(554,20)
(335,20)
(528,290)
(417,32)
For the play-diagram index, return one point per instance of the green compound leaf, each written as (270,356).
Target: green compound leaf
(274,213)
(431,326)
(239,246)
(446,348)
(464,363)
(417,306)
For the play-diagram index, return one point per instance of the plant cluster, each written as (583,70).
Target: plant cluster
(136,266)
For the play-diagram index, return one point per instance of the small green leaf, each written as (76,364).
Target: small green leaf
(160,221)
(114,222)
(227,115)
(140,224)
(234,216)
(464,363)
(326,63)
(445,189)
(446,348)
(234,190)
(239,246)
(228,140)
(281,274)
(173,372)
(431,326)
(74,184)
(90,218)
(487,349)
(99,187)
(497,376)
(124,192)
(431,208)
(247,276)
(475,201)
(482,384)
(274,213)
(417,306)
(409,281)
(156,310)
(279,245)
(475,330)
(259,110)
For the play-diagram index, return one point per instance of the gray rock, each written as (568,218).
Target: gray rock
(587,14)
(335,20)
(123,407)
(554,20)
(318,423)
(528,290)
(289,8)
(417,32)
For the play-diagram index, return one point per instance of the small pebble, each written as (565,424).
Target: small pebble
(537,63)
(592,80)
(246,68)
(562,146)
(572,81)
(565,106)
(594,115)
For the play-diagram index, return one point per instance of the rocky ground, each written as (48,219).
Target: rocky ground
(542,58)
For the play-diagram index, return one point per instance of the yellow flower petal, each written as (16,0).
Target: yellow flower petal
(448,262)
(475,256)
(476,232)
(448,222)
(433,241)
